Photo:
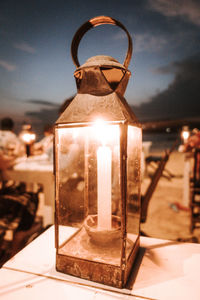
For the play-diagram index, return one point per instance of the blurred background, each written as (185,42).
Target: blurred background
(36,69)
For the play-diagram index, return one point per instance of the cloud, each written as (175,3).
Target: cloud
(181,98)
(41,102)
(148,42)
(190,66)
(171,68)
(7,66)
(41,118)
(119,36)
(46,116)
(144,41)
(187,9)
(23,46)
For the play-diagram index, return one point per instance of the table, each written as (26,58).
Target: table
(37,170)
(164,270)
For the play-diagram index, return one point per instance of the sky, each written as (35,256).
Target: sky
(36,68)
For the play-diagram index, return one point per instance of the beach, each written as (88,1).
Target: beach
(168,214)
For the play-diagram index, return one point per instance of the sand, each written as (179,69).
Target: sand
(165,220)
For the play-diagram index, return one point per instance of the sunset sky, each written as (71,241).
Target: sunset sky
(36,69)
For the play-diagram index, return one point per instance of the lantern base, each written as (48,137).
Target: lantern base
(80,257)
(90,270)
(102,236)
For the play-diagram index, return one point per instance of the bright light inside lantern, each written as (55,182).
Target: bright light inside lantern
(69,133)
(104,132)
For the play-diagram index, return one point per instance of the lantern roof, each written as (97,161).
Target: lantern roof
(86,108)
(101,82)
(102,61)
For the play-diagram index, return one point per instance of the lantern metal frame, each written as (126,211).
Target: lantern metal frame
(116,112)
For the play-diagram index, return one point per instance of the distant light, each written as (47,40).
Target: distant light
(185,133)
(27,135)
(28,138)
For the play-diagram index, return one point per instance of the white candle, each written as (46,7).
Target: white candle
(104,188)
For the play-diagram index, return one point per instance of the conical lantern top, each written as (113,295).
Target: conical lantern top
(101,82)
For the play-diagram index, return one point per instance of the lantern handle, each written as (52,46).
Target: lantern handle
(100,20)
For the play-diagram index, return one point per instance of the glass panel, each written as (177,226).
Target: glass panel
(88,179)
(133,184)
(70,161)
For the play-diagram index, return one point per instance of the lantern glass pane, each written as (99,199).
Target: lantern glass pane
(70,172)
(88,192)
(133,183)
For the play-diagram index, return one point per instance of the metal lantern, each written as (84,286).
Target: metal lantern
(28,137)
(97,166)
(185,133)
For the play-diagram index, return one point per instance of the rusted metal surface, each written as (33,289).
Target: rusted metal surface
(85,108)
(80,257)
(107,274)
(94,271)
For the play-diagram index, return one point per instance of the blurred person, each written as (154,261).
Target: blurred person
(10,144)
(190,148)
(45,145)
(18,207)
(17,212)
(193,141)
(6,161)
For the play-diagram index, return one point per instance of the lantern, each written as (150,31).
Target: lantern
(97,167)
(28,137)
(185,133)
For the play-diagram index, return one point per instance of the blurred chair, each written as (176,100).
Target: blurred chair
(161,163)
(18,221)
(195,192)
(145,199)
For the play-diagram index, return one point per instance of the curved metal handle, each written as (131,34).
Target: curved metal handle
(93,23)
